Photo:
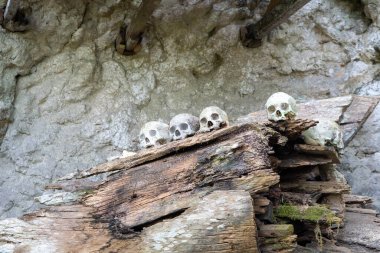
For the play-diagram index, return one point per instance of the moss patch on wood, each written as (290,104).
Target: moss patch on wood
(317,213)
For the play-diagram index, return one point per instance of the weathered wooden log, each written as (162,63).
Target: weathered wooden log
(200,194)
(278,12)
(218,222)
(280,245)
(326,151)
(276,230)
(130,207)
(316,186)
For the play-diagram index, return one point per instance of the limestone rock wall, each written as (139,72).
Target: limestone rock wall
(68,100)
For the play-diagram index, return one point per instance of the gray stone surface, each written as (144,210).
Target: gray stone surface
(72,101)
(361,160)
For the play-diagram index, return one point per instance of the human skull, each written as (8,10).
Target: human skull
(212,118)
(280,106)
(154,133)
(183,125)
(325,133)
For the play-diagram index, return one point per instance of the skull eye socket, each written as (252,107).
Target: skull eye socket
(142,136)
(215,116)
(152,132)
(203,120)
(284,106)
(271,109)
(172,129)
(183,126)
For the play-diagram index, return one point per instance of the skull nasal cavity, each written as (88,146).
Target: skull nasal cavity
(177,133)
(278,113)
(147,140)
(210,124)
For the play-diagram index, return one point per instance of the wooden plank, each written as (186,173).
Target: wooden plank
(278,12)
(356,199)
(132,201)
(299,198)
(237,163)
(356,114)
(218,222)
(276,230)
(301,160)
(147,155)
(362,211)
(326,151)
(128,41)
(334,107)
(293,129)
(315,186)
(178,189)
(308,214)
(280,245)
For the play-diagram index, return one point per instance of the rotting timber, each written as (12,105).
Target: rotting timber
(278,11)
(251,187)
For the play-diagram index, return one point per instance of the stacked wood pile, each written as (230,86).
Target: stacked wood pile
(252,187)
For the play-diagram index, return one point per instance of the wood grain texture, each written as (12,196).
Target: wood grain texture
(316,186)
(195,195)
(147,155)
(202,184)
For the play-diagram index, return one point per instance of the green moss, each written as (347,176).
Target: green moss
(317,213)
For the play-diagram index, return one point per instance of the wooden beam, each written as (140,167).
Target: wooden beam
(356,199)
(276,230)
(315,186)
(326,151)
(166,190)
(356,114)
(278,12)
(301,160)
(195,195)
(129,39)
(152,154)
(218,222)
